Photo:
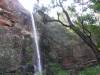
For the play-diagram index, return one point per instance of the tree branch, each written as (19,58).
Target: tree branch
(68,18)
(82,35)
(58,22)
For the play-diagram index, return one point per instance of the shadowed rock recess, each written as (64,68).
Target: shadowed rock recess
(57,44)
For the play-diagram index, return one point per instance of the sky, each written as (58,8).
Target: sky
(29,4)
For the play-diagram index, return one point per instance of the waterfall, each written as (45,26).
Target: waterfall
(29,5)
(36,39)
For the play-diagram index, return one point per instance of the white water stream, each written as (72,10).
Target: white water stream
(29,4)
(38,60)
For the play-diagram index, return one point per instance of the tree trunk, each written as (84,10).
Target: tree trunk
(83,36)
(87,40)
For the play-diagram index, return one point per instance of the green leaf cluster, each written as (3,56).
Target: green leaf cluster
(95,30)
(96,5)
(91,71)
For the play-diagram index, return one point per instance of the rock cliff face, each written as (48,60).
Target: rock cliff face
(56,42)
(14,29)
(62,45)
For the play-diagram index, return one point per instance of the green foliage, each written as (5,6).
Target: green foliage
(91,71)
(95,30)
(96,5)
(72,8)
(87,19)
(56,68)
(61,72)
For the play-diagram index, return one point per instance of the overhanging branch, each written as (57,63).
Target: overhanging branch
(58,22)
(81,34)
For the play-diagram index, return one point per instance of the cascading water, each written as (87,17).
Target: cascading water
(39,66)
(29,4)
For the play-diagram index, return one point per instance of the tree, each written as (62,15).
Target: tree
(95,5)
(82,34)
(85,35)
